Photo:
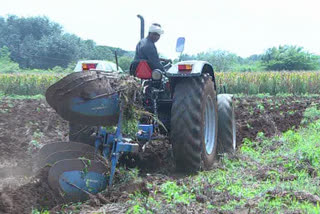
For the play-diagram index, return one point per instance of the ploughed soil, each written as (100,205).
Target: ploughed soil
(270,115)
(26,125)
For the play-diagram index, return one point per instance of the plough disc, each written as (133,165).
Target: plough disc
(69,154)
(51,148)
(75,179)
(86,98)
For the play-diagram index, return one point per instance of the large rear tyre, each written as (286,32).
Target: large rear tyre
(82,133)
(194,124)
(227,125)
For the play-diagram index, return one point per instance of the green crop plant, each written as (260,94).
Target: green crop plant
(176,194)
(129,175)
(269,175)
(260,106)
(27,84)
(261,83)
(310,114)
(271,83)
(137,209)
(35,211)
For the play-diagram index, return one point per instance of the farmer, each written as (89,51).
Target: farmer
(146,50)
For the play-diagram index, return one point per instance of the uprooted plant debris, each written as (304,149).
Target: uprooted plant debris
(92,86)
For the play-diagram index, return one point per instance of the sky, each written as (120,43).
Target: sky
(243,27)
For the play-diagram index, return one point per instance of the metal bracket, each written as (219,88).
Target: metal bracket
(146,131)
(114,146)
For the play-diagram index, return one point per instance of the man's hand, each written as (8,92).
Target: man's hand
(166,61)
(169,61)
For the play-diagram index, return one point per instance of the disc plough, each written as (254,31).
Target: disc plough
(78,169)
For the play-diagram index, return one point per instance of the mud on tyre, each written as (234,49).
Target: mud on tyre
(226,125)
(194,123)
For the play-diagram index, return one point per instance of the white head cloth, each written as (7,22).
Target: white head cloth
(155,29)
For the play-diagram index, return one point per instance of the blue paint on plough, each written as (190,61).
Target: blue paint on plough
(89,177)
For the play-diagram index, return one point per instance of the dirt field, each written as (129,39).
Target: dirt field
(26,125)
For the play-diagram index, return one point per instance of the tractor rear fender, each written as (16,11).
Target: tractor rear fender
(198,68)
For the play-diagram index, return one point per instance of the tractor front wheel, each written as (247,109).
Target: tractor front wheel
(194,123)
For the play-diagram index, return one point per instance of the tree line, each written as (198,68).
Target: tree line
(39,43)
(286,57)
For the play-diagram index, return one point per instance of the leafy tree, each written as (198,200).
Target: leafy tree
(85,49)
(2,31)
(6,65)
(248,66)
(28,52)
(220,60)
(19,34)
(290,58)
(103,53)
(4,54)
(254,58)
(37,42)
(55,50)
(185,57)
(124,62)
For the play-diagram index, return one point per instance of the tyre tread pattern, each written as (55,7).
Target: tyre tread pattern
(186,123)
(225,124)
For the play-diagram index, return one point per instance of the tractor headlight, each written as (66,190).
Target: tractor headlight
(156,74)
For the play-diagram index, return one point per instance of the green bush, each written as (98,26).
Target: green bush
(6,65)
(310,114)
(290,58)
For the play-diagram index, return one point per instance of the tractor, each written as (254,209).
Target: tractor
(200,124)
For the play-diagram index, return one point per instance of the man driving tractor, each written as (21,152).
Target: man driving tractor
(146,50)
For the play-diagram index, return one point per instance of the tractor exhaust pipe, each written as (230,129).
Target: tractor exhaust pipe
(141,26)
